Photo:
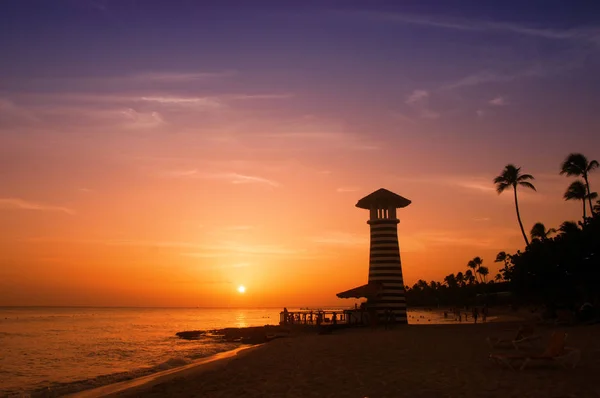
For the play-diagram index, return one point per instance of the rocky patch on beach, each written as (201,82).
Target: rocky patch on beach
(249,335)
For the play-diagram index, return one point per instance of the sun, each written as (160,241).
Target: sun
(241,289)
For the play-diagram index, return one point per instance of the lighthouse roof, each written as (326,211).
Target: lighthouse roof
(371,289)
(382,198)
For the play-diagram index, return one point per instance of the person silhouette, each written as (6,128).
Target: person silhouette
(285,315)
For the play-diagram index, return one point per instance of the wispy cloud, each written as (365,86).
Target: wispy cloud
(588,34)
(192,101)
(417,96)
(347,189)
(243,97)
(236,178)
(493,77)
(418,101)
(475,184)
(141,120)
(231,177)
(10,112)
(216,249)
(181,77)
(498,101)
(21,204)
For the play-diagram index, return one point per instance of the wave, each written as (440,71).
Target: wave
(60,389)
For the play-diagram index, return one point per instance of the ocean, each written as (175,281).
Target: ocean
(65,350)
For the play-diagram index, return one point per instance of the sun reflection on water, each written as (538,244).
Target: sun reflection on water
(240,320)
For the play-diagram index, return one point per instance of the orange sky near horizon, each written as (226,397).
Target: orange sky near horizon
(164,154)
(173,237)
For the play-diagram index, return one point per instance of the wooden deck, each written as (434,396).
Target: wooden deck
(324,317)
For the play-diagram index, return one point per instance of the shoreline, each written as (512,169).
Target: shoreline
(146,382)
(407,361)
(143,384)
(250,337)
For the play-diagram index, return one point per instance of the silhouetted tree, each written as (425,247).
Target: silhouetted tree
(469,277)
(460,279)
(597,207)
(483,271)
(504,258)
(539,232)
(511,177)
(577,191)
(568,228)
(562,271)
(475,264)
(576,164)
(451,281)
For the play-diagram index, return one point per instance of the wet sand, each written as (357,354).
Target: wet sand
(408,361)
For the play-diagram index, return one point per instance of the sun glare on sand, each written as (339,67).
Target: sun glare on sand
(241,289)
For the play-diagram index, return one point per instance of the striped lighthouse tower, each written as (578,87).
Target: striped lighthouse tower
(385,267)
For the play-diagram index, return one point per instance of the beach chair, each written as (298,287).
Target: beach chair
(554,352)
(525,336)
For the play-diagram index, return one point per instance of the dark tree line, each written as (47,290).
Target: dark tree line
(559,267)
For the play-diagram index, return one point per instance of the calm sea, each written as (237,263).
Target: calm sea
(65,350)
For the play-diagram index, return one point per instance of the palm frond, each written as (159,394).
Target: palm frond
(576,191)
(500,257)
(525,177)
(593,165)
(528,185)
(575,164)
(501,187)
(568,227)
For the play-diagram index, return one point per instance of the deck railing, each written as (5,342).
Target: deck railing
(319,317)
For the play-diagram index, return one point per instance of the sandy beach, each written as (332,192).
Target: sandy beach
(408,361)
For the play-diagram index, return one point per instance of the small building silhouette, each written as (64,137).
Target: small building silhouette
(385,290)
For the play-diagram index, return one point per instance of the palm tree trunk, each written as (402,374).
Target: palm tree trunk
(583,201)
(587,184)
(519,217)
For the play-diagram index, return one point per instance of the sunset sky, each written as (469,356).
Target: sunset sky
(162,153)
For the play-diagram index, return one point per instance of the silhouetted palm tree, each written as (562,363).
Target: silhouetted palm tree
(471,264)
(538,231)
(569,228)
(502,257)
(478,263)
(460,278)
(422,284)
(469,277)
(577,164)
(511,177)
(483,271)
(577,191)
(451,281)
(597,206)
(498,277)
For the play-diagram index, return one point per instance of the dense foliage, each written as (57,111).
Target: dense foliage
(560,270)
